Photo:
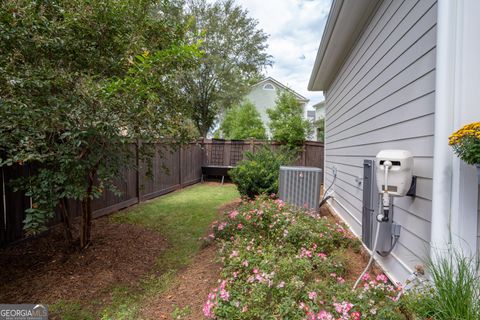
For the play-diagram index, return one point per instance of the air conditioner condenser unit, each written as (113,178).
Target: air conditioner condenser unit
(300,186)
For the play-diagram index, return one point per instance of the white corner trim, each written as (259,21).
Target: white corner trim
(444,100)
(455,188)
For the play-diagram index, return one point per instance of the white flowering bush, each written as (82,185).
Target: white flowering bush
(287,263)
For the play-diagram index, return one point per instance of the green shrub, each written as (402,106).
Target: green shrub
(258,173)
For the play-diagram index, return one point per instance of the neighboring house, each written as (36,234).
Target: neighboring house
(319,114)
(319,110)
(403,75)
(264,94)
(311,116)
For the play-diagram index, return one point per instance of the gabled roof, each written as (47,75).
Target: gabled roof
(270,79)
(345,23)
(319,104)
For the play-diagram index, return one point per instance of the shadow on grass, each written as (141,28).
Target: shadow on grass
(182,217)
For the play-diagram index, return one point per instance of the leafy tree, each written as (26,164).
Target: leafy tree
(287,123)
(243,122)
(233,53)
(76,91)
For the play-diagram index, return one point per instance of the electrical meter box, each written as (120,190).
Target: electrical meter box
(399,174)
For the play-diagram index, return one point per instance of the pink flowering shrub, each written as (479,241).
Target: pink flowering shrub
(285,263)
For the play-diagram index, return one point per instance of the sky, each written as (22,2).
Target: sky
(295,28)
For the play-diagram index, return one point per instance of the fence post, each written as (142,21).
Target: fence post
(304,152)
(204,152)
(137,164)
(3,227)
(180,167)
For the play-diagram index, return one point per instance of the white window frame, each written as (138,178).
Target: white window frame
(269,86)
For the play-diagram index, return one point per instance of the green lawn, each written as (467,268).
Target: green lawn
(182,217)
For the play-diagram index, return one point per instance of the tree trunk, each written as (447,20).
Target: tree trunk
(203,131)
(86,224)
(66,222)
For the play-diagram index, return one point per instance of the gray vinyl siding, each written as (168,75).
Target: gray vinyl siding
(384,98)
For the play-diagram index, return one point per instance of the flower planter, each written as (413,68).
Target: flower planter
(478,172)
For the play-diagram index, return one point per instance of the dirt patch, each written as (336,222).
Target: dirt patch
(226,208)
(357,261)
(41,271)
(190,290)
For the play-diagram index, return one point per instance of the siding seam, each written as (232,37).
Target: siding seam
(380,114)
(348,211)
(359,189)
(382,141)
(383,127)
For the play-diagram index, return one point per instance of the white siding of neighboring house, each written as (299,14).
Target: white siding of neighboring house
(319,114)
(319,110)
(383,98)
(265,99)
(311,115)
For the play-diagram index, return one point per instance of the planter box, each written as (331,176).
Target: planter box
(213,170)
(478,172)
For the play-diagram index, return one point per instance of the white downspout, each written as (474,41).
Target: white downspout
(455,188)
(444,120)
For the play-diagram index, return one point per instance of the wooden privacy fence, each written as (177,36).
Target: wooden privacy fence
(170,171)
(229,152)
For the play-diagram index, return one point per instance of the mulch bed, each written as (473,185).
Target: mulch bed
(41,270)
(357,261)
(190,290)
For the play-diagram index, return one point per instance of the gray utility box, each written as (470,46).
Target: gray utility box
(371,203)
(300,186)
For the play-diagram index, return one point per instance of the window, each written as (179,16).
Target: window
(311,115)
(268,86)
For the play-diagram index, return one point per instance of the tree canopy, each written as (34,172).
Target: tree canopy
(233,56)
(287,123)
(243,122)
(80,81)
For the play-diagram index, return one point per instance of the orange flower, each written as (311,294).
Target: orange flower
(469,130)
